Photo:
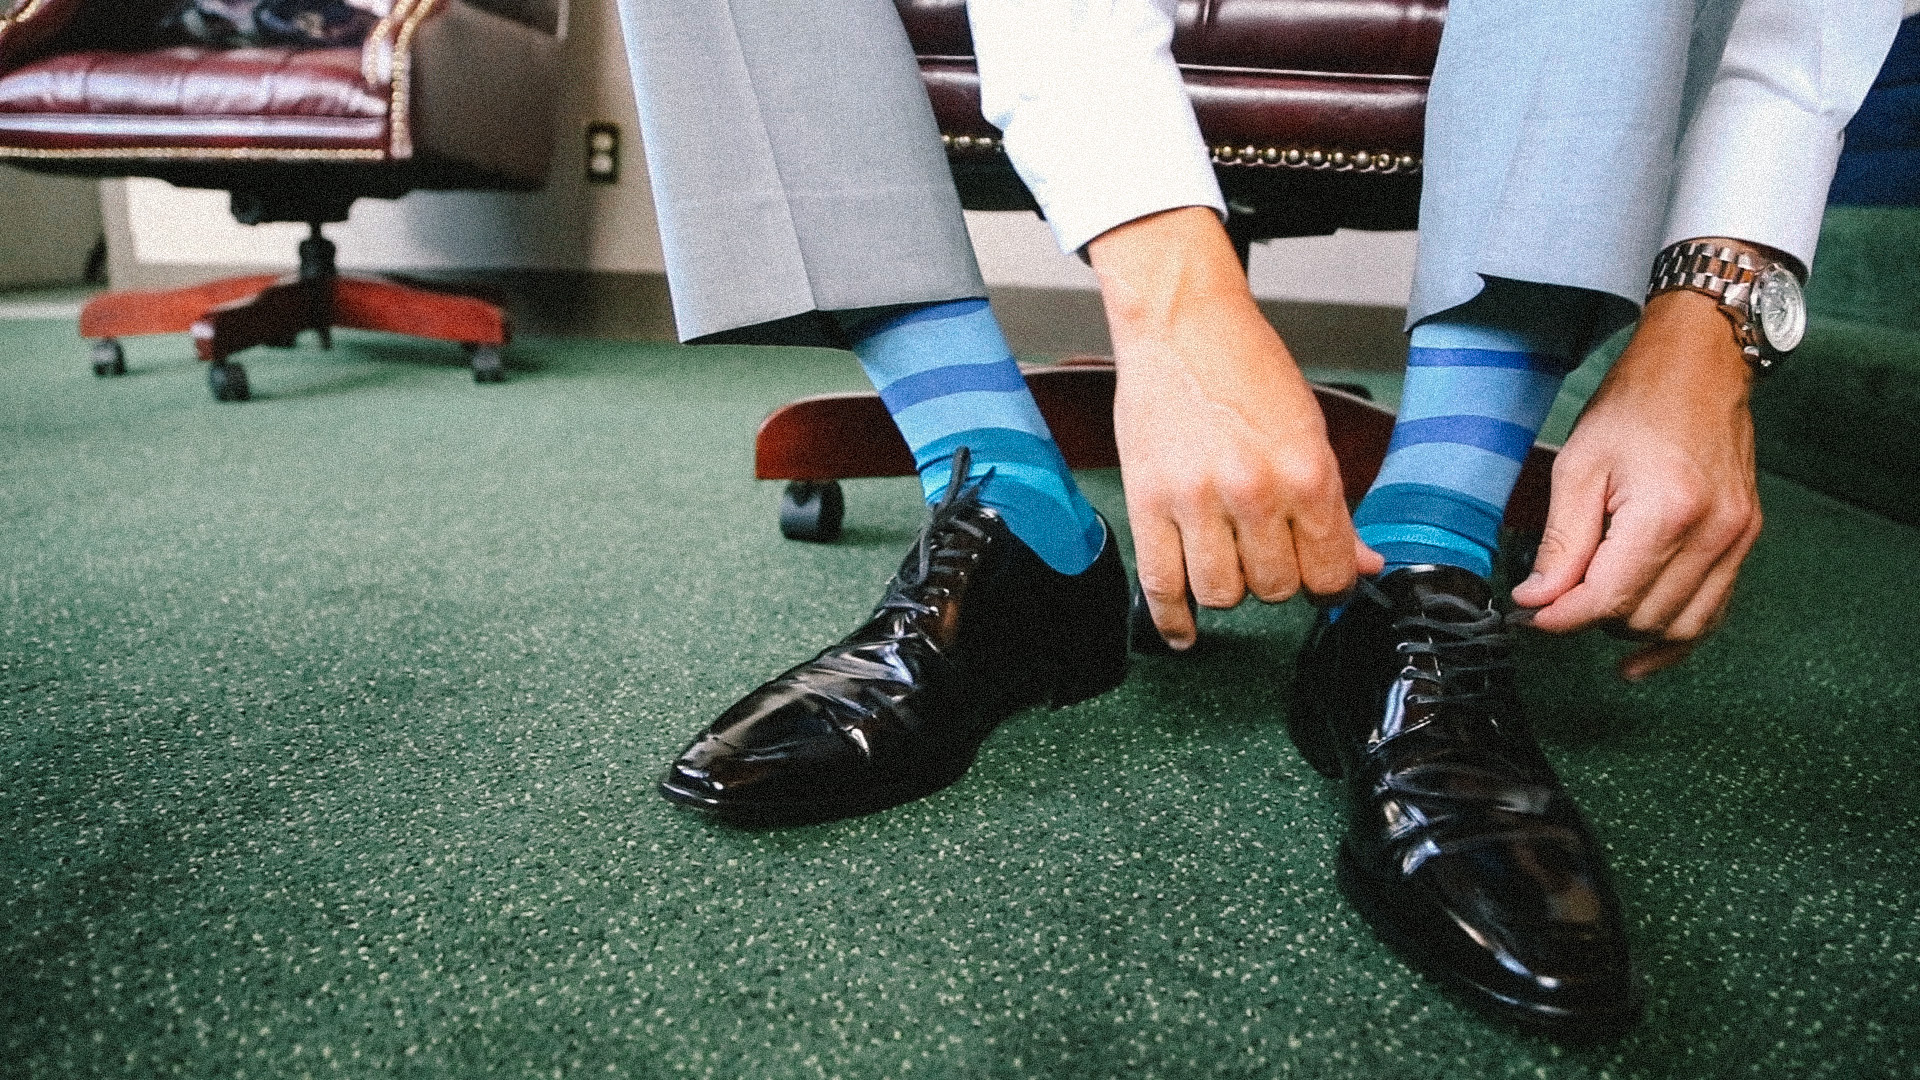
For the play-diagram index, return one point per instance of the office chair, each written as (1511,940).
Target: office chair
(443,94)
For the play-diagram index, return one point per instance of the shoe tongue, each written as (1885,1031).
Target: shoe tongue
(1406,585)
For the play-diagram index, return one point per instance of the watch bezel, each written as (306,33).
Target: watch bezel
(1783,332)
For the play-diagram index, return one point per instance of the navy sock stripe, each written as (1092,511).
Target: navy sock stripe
(1502,437)
(948,380)
(993,375)
(1481,378)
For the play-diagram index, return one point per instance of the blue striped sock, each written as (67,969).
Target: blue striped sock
(1480,380)
(949,380)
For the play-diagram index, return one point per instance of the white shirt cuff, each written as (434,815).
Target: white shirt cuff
(1092,169)
(1754,167)
(1758,157)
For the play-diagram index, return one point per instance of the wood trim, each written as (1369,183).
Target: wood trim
(199,153)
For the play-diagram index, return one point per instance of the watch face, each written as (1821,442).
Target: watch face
(1780,308)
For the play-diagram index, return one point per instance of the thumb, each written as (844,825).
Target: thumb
(1576,518)
(1366,560)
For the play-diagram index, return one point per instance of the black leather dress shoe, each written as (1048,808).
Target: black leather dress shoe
(974,627)
(1463,850)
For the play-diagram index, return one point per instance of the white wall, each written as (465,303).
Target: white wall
(572,225)
(47,229)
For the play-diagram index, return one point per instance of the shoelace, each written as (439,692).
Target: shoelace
(1469,645)
(962,492)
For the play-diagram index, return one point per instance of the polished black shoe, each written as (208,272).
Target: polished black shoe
(1463,851)
(973,628)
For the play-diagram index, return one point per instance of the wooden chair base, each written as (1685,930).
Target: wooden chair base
(227,316)
(816,442)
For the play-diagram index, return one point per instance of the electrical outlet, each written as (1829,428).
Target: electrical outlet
(603,153)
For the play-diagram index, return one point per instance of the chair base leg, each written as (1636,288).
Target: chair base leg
(233,314)
(843,436)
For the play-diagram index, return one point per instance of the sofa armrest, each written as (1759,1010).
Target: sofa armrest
(26,24)
(547,16)
(480,91)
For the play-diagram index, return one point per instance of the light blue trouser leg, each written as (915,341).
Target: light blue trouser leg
(795,161)
(1550,144)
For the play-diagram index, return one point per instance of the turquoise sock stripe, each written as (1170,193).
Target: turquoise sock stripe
(1480,381)
(949,380)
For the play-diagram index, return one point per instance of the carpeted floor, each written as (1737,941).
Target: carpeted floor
(331,724)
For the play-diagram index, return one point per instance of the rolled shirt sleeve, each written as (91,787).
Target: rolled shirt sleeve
(1758,155)
(1092,110)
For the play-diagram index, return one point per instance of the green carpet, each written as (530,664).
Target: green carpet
(332,722)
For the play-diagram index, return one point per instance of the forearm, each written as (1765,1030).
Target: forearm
(1093,110)
(1161,269)
(1759,150)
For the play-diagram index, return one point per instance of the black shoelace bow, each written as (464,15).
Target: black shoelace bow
(963,492)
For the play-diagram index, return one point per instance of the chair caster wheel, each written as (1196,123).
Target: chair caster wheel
(1142,636)
(488,365)
(228,382)
(109,358)
(812,510)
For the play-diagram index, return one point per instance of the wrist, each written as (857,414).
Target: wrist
(1154,271)
(1685,346)
(1757,290)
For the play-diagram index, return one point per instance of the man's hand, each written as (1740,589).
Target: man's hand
(1231,486)
(1654,503)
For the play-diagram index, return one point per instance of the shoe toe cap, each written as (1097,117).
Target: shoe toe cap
(1546,939)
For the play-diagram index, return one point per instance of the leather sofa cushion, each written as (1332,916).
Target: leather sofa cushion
(1347,37)
(1262,74)
(194,97)
(1240,108)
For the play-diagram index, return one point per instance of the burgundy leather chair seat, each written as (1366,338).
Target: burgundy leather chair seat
(195,97)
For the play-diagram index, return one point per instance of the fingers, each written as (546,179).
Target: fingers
(1697,583)
(1657,657)
(1366,560)
(1329,550)
(1224,548)
(1213,561)
(1163,577)
(1265,547)
(1702,613)
(1576,519)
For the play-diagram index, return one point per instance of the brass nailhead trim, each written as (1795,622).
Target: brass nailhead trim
(1384,162)
(402,76)
(971,144)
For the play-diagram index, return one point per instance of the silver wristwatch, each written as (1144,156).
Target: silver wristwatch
(1760,297)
